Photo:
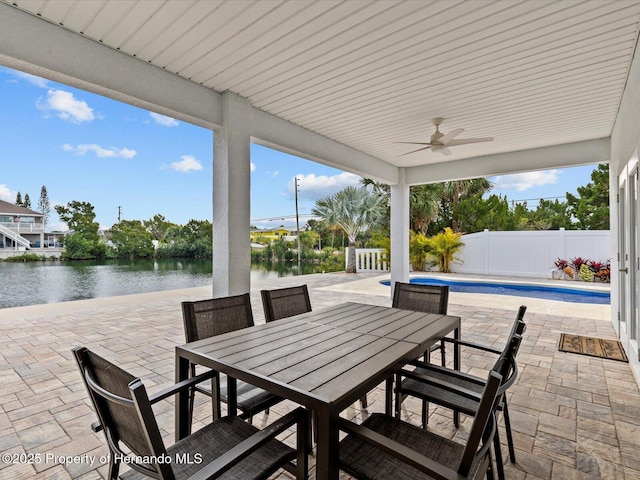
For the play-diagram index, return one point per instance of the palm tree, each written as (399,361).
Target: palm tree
(424,204)
(444,247)
(354,210)
(459,189)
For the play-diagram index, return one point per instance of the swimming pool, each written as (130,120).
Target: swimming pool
(520,290)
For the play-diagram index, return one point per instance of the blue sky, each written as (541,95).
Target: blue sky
(85,147)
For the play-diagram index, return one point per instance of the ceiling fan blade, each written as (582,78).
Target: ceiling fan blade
(415,143)
(445,139)
(442,149)
(414,151)
(464,141)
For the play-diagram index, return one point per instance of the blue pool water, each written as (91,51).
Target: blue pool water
(520,290)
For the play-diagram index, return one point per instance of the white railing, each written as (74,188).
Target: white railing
(24,227)
(369,260)
(529,253)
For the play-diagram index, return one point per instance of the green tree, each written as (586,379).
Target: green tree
(44,207)
(19,199)
(80,217)
(193,240)
(131,239)
(354,210)
(77,247)
(309,241)
(424,204)
(591,207)
(476,213)
(548,215)
(158,226)
(27,201)
(457,190)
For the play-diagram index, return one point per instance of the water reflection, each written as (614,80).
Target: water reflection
(33,283)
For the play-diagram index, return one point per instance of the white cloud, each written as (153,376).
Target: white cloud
(100,152)
(7,194)
(253,167)
(32,79)
(524,181)
(164,120)
(313,187)
(66,106)
(187,164)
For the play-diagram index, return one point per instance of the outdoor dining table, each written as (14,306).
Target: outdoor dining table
(324,360)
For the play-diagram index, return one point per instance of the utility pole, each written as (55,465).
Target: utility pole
(298,230)
(119,212)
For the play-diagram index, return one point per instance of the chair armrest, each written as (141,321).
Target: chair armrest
(178,387)
(449,387)
(471,345)
(399,451)
(449,372)
(238,453)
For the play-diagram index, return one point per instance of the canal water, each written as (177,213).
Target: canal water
(33,283)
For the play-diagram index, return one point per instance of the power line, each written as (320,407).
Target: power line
(282,217)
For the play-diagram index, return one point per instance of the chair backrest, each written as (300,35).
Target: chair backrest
(519,325)
(421,298)
(123,408)
(285,302)
(506,364)
(206,318)
(476,451)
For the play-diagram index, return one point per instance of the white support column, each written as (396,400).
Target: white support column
(231,199)
(399,231)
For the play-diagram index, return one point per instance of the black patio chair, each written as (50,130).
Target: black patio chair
(387,448)
(451,388)
(427,299)
(227,448)
(206,318)
(285,302)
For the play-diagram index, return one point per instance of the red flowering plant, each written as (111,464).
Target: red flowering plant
(564,267)
(577,262)
(601,271)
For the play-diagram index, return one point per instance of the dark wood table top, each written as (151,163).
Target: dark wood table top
(323,356)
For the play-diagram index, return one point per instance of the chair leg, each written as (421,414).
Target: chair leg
(398,399)
(363,401)
(443,357)
(114,467)
(498,452)
(192,396)
(507,426)
(425,413)
(490,467)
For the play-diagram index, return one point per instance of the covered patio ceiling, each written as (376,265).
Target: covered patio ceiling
(341,82)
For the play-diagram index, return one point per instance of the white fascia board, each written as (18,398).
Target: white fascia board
(543,158)
(274,132)
(35,46)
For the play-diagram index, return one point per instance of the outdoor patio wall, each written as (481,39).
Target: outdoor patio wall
(529,253)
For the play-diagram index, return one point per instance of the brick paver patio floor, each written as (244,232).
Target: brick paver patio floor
(573,417)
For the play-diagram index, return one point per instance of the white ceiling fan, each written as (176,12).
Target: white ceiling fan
(440,142)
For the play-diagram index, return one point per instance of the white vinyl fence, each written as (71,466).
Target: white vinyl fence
(518,253)
(529,253)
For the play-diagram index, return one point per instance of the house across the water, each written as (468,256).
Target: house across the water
(23,229)
(259,235)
